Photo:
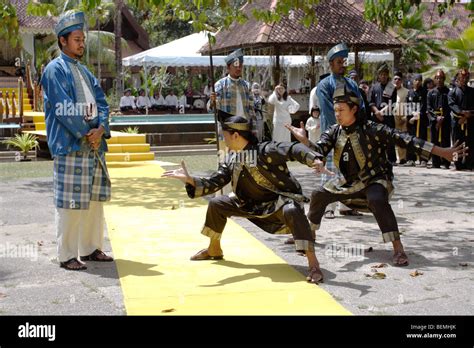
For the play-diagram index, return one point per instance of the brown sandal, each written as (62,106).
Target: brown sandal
(204,255)
(400,259)
(97,255)
(73,265)
(315,276)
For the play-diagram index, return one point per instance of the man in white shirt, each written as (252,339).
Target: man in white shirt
(171,101)
(127,102)
(143,102)
(157,101)
(183,103)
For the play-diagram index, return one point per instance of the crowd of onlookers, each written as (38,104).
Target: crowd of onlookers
(428,108)
(130,104)
(424,107)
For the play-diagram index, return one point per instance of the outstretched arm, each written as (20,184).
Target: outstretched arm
(323,146)
(451,153)
(181,174)
(199,186)
(298,133)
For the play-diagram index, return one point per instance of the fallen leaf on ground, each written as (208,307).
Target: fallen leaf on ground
(380,265)
(376,275)
(168,310)
(379,275)
(416,273)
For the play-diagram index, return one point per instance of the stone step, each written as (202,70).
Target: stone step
(40,126)
(12,154)
(31,116)
(203,147)
(127,139)
(129,157)
(129,148)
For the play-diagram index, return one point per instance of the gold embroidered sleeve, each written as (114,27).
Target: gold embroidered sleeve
(206,186)
(389,135)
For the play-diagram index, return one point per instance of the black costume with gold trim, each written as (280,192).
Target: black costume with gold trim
(264,191)
(460,99)
(360,155)
(438,106)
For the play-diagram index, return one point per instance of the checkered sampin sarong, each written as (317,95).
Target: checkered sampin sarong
(80,177)
(331,167)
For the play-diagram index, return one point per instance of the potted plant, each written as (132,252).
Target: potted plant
(25,142)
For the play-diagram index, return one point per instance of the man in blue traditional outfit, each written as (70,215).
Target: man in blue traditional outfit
(77,126)
(325,91)
(232,94)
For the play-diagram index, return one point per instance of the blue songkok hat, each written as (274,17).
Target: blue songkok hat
(234,56)
(340,50)
(69,22)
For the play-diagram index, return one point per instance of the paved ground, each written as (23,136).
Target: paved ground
(435,210)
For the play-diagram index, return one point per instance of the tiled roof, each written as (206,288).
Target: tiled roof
(40,24)
(338,20)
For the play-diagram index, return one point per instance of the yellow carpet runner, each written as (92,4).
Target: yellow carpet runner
(154,229)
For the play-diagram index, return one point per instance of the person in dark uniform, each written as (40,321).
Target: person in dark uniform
(264,190)
(417,119)
(382,97)
(461,103)
(360,155)
(440,118)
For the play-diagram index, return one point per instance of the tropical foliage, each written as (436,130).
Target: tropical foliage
(131,130)
(405,18)
(24,142)
(9,30)
(461,54)
(422,47)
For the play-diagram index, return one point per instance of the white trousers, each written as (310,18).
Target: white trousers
(79,232)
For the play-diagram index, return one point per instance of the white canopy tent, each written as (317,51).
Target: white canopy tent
(184,52)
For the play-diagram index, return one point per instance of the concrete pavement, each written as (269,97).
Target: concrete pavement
(435,211)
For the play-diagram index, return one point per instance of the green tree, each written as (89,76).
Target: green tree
(463,48)
(9,28)
(405,18)
(422,44)
(222,13)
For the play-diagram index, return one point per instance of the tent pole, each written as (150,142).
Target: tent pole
(214,106)
(146,87)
